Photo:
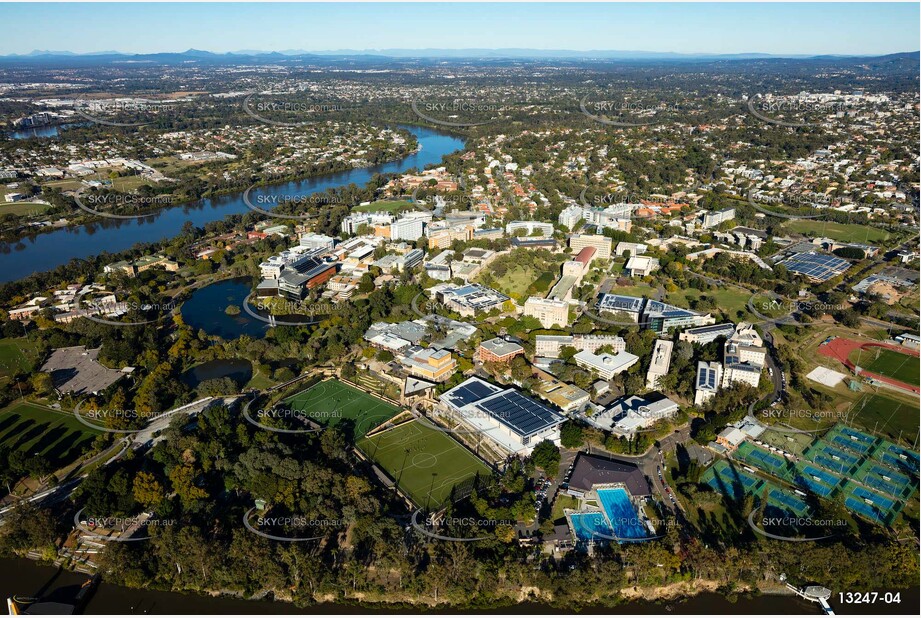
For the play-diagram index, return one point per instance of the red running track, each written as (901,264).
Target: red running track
(840,349)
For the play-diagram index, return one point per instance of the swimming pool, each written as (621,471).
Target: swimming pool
(590,526)
(621,514)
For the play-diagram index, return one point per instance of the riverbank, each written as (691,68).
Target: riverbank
(45,252)
(82,218)
(24,577)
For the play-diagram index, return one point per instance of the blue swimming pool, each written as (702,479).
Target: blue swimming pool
(624,520)
(590,526)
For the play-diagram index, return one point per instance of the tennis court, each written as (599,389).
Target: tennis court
(730,481)
(869,503)
(787,501)
(795,443)
(332,402)
(426,464)
(818,481)
(763,459)
(885,479)
(850,439)
(833,458)
(897,457)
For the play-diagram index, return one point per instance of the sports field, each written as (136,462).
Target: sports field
(16,355)
(36,430)
(886,415)
(842,232)
(426,463)
(332,402)
(902,367)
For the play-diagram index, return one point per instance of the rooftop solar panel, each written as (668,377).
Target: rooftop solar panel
(521,414)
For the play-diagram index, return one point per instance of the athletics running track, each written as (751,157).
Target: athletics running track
(840,348)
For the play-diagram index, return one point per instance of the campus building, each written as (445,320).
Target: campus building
(550,346)
(606,365)
(547,311)
(508,419)
(498,350)
(661,361)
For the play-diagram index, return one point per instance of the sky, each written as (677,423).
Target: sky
(775,28)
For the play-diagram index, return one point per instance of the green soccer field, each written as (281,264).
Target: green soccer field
(331,402)
(425,462)
(895,365)
(886,416)
(33,429)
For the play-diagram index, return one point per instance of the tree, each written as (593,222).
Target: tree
(147,490)
(546,456)
(42,383)
(571,435)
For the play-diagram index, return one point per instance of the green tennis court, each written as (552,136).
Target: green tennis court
(426,463)
(332,402)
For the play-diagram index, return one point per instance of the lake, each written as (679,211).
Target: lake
(237,369)
(206,309)
(49,250)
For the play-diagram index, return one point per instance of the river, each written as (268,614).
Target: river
(49,250)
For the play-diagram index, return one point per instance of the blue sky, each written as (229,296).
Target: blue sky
(815,28)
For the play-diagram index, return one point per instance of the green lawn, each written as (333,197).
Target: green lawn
(842,232)
(886,416)
(641,289)
(34,429)
(332,402)
(426,463)
(15,355)
(385,206)
(902,367)
(22,208)
(728,299)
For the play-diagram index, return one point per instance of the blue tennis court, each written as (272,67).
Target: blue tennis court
(818,481)
(881,502)
(851,439)
(621,514)
(884,479)
(787,501)
(898,457)
(862,508)
(730,481)
(832,458)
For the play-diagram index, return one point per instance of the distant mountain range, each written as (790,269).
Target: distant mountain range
(472,53)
